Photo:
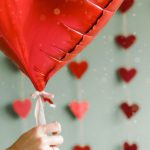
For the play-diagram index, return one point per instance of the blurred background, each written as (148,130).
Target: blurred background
(105,126)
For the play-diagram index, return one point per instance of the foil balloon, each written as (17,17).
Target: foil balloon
(41,36)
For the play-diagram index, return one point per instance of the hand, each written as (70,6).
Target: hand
(38,139)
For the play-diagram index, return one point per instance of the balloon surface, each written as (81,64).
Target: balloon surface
(41,36)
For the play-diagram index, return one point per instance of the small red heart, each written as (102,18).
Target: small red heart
(125,41)
(79,109)
(78,68)
(126,5)
(22,108)
(127,75)
(130,147)
(77,147)
(129,110)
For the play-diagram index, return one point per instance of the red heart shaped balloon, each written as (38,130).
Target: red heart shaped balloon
(43,35)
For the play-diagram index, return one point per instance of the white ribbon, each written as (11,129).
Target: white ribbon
(39,107)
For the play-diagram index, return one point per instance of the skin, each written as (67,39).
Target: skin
(39,138)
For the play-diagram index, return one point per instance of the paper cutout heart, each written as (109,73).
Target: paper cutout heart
(126,5)
(125,41)
(127,74)
(22,108)
(130,147)
(78,68)
(129,110)
(44,35)
(79,109)
(77,147)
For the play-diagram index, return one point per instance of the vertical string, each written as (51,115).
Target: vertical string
(125,32)
(128,63)
(79,97)
(125,27)
(22,92)
(128,58)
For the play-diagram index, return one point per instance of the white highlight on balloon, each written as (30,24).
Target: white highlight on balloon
(57,11)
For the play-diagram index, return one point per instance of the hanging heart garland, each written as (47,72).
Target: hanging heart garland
(127,74)
(22,108)
(78,69)
(125,41)
(129,110)
(79,109)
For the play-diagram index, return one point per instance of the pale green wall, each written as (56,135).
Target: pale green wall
(104,128)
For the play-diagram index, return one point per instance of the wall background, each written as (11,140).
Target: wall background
(104,127)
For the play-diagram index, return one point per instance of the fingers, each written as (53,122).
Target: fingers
(54,140)
(54,128)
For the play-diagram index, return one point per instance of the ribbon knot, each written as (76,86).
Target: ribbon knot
(45,97)
(39,107)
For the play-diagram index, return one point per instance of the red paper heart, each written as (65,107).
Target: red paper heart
(79,109)
(77,147)
(22,108)
(125,42)
(78,69)
(127,74)
(126,5)
(44,35)
(130,147)
(129,110)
